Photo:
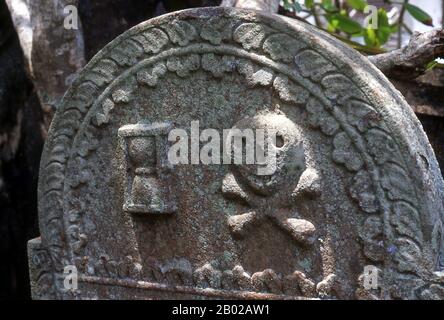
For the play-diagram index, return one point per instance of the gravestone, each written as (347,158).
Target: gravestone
(352,210)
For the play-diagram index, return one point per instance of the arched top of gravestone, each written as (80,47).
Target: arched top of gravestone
(364,150)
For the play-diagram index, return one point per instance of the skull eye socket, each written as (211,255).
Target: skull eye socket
(280,142)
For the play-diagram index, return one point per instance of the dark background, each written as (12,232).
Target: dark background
(22,133)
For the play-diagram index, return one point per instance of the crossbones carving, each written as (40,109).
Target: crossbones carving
(273,196)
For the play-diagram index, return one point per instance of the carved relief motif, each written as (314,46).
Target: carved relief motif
(179,272)
(273,196)
(149,187)
(382,183)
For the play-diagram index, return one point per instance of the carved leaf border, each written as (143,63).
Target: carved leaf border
(183,47)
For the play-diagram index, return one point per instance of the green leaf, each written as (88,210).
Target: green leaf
(345,24)
(384,29)
(370,38)
(286,5)
(328,6)
(297,7)
(309,4)
(394,28)
(383,20)
(431,65)
(332,26)
(292,5)
(357,4)
(364,49)
(375,38)
(419,14)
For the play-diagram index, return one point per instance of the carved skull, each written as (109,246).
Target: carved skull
(290,157)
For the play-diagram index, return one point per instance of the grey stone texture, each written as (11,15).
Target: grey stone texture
(356,184)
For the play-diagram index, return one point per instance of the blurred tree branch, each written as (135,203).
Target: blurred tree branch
(411,61)
(53,54)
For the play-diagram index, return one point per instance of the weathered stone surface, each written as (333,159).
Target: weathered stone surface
(356,184)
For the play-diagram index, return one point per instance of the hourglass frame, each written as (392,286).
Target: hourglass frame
(143,173)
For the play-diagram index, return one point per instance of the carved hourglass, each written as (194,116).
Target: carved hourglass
(148,175)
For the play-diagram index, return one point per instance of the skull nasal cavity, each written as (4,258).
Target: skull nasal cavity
(279,141)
